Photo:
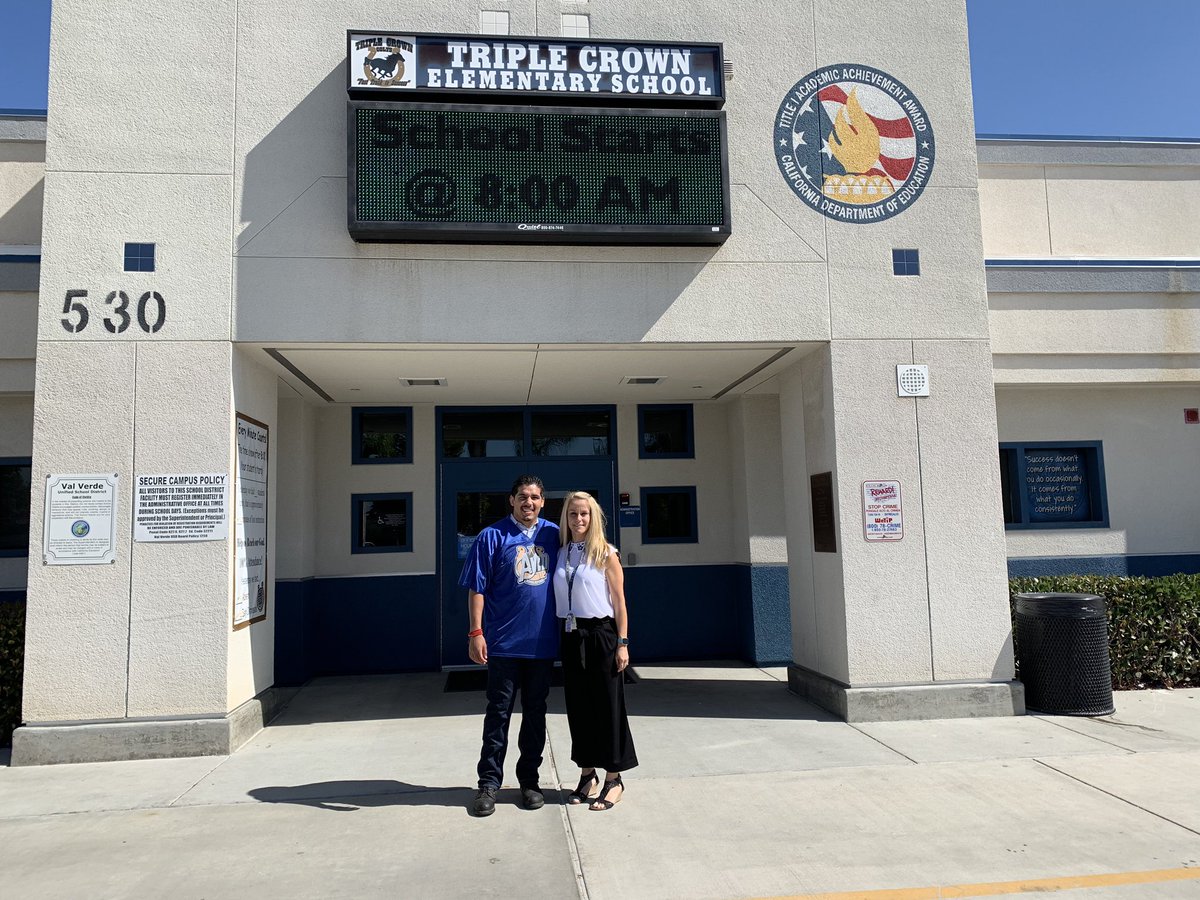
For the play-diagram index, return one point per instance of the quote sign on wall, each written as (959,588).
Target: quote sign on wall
(1057,485)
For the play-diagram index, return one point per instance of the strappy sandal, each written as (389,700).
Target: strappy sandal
(583,793)
(602,803)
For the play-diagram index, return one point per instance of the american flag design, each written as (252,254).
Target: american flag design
(854,143)
(897,139)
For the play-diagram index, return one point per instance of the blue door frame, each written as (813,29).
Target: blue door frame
(478,488)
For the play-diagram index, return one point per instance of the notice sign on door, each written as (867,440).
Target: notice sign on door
(77,527)
(181,507)
(883,513)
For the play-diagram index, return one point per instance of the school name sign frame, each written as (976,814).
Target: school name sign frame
(458,66)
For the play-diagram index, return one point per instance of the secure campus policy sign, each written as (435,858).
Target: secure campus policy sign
(181,507)
(437,172)
(470,65)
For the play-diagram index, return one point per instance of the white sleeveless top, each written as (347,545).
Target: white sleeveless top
(589,597)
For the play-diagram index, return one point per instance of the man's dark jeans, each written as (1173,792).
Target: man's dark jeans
(507,675)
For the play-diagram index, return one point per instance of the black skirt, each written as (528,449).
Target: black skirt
(595,693)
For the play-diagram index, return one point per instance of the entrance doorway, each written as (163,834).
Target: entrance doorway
(474,489)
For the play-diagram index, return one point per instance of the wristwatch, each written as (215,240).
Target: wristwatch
(624,642)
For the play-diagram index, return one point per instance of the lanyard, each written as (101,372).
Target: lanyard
(572,571)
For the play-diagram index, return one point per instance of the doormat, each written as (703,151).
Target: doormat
(476,679)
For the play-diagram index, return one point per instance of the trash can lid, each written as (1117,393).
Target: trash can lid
(1065,606)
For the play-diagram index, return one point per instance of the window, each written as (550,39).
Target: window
(669,515)
(382,523)
(14,506)
(577,26)
(906,262)
(507,433)
(382,434)
(139,257)
(487,433)
(570,433)
(665,432)
(493,22)
(1053,484)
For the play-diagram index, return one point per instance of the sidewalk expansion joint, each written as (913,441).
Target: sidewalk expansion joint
(882,744)
(196,783)
(1118,797)
(568,826)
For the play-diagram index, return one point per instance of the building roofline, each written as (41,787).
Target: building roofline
(1080,150)
(23,125)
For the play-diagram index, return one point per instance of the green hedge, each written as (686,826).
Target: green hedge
(12,667)
(1153,625)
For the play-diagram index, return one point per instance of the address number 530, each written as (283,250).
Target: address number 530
(151,312)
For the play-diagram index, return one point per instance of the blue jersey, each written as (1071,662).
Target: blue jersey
(514,574)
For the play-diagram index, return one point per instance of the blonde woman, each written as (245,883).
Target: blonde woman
(589,593)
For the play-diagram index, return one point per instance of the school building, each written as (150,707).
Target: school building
(289,293)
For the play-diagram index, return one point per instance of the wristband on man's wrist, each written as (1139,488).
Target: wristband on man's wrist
(476,633)
(623,642)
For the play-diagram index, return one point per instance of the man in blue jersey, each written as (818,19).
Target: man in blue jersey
(514,632)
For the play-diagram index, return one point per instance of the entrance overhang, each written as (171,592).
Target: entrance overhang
(525,373)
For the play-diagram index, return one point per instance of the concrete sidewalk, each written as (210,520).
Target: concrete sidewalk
(361,787)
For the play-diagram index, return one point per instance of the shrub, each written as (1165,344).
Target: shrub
(12,667)
(1153,624)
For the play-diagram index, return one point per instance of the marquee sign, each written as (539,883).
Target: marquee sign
(433,66)
(441,172)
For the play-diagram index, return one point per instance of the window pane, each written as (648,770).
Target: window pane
(666,431)
(384,523)
(14,507)
(571,433)
(552,511)
(482,434)
(383,435)
(1007,460)
(669,516)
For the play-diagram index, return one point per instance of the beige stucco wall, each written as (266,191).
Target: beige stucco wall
(1120,206)
(1150,461)
(251,662)
(22,169)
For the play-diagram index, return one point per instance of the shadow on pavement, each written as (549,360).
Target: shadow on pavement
(348,796)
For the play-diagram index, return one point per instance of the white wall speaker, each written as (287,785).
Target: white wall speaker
(912,381)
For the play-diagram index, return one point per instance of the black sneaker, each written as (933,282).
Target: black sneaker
(531,798)
(485,802)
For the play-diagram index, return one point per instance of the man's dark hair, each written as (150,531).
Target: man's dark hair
(524,480)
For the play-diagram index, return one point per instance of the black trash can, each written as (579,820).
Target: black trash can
(1062,652)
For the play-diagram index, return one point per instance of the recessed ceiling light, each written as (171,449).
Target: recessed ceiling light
(423,382)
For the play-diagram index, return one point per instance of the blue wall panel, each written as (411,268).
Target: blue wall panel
(770,611)
(292,627)
(349,626)
(1148,565)
(355,626)
(685,612)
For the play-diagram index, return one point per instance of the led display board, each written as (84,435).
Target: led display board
(432,67)
(438,172)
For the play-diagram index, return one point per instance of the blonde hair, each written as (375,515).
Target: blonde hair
(595,544)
